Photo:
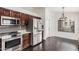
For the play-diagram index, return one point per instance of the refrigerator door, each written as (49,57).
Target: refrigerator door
(39,24)
(35,40)
(40,37)
(34,32)
(34,26)
(37,33)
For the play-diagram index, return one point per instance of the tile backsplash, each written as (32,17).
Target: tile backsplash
(4,29)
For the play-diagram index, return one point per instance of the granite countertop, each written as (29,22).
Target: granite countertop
(20,32)
(23,31)
(2,34)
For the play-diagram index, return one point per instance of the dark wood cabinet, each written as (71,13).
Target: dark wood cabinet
(24,19)
(0,44)
(4,12)
(26,40)
(12,13)
(1,11)
(15,14)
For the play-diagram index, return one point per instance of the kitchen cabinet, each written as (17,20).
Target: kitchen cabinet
(24,19)
(26,40)
(12,13)
(4,12)
(0,45)
(1,11)
(15,14)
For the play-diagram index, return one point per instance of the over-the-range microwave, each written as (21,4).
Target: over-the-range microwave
(5,20)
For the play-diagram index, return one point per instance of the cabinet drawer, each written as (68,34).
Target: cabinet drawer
(26,36)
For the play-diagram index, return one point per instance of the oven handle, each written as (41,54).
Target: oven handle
(14,38)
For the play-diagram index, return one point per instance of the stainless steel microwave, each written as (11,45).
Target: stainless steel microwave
(9,20)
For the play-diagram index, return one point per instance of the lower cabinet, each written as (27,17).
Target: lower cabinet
(0,44)
(26,40)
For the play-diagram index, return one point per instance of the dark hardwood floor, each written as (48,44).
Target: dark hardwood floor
(55,44)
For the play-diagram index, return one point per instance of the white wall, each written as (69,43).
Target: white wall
(73,16)
(27,8)
(40,11)
(51,24)
(46,27)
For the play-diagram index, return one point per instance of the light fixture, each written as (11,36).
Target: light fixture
(65,24)
(63,16)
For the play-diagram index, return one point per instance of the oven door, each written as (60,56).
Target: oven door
(12,43)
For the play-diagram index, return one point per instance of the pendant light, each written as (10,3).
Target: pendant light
(63,16)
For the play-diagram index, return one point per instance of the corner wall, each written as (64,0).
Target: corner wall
(51,24)
(73,16)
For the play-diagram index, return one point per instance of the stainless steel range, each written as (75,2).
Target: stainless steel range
(11,42)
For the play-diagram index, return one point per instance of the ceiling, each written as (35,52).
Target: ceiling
(54,9)
(66,9)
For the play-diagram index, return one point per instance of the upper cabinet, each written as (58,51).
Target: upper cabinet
(15,14)
(7,12)
(4,12)
(1,11)
(24,19)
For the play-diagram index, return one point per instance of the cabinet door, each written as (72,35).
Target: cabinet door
(18,14)
(27,19)
(1,11)
(6,12)
(26,41)
(23,19)
(15,14)
(0,44)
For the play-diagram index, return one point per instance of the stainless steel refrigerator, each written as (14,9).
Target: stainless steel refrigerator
(35,27)
(37,31)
